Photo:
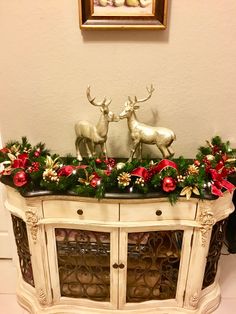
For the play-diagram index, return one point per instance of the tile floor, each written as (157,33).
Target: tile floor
(8,303)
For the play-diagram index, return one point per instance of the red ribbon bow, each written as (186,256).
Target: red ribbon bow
(141,172)
(219,182)
(147,174)
(164,163)
(21,161)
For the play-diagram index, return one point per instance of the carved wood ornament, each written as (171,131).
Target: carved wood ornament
(207,221)
(194,299)
(32,222)
(42,297)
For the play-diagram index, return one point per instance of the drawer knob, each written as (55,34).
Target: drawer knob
(80,212)
(158,212)
(121,266)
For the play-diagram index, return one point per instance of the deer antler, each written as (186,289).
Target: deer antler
(150,91)
(102,103)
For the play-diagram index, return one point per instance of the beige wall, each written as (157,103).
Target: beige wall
(46,62)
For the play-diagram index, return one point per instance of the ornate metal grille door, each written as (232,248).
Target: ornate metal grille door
(84,263)
(217,240)
(23,251)
(153,265)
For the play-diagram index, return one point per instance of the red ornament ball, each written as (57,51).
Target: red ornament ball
(98,161)
(168,184)
(197,163)
(37,153)
(20,178)
(95,182)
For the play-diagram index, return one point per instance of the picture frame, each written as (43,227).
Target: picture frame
(123,14)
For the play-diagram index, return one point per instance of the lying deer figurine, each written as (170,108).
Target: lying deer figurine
(143,133)
(94,134)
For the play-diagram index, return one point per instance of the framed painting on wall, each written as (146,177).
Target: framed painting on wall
(123,14)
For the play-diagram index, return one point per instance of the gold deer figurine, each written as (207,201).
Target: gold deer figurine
(143,133)
(91,134)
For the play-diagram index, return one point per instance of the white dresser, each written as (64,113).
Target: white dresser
(81,255)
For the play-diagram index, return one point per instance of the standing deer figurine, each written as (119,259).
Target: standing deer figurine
(93,135)
(143,133)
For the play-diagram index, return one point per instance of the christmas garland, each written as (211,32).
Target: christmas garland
(32,168)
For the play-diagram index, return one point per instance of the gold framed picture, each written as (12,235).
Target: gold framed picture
(123,14)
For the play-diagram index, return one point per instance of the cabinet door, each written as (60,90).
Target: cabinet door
(82,265)
(156,263)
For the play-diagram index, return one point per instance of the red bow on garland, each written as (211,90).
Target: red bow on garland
(141,172)
(147,174)
(164,163)
(218,176)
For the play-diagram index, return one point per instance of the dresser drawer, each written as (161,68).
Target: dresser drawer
(157,211)
(81,210)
